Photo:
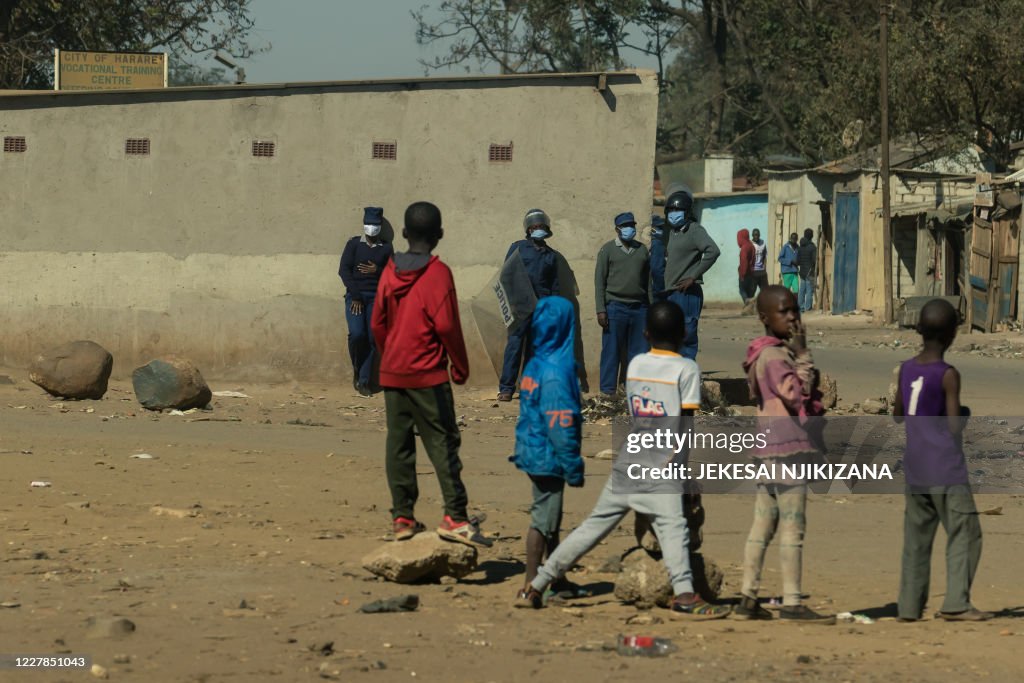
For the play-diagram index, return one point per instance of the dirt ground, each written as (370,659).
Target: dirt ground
(274,499)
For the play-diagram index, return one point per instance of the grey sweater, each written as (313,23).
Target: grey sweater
(691,252)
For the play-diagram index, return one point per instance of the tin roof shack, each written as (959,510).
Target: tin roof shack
(994,265)
(931,194)
(723,215)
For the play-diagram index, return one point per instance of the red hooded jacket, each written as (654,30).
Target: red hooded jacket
(746,252)
(416,324)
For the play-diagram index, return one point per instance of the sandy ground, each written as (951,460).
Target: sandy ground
(287,492)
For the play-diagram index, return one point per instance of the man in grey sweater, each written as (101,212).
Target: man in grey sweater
(690,253)
(621,278)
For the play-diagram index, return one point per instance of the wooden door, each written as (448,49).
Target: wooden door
(847,252)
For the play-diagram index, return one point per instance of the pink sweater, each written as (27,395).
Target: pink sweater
(784,385)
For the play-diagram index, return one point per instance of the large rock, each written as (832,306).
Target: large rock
(711,395)
(170,382)
(424,557)
(78,370)
(829,391)
(644,582)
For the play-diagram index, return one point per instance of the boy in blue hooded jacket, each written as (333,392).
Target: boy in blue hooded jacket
(548,433)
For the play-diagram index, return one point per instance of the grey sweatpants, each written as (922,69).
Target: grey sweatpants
(781,508)
(954,508)
(666,513)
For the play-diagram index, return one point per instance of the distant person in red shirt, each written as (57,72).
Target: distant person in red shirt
(417,330)
(746,270)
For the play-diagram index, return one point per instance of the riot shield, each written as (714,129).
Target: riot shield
(505,303)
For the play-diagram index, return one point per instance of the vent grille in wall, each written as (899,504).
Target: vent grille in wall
(385,150)
(15,143)
(136,146)
(500,153)
(263,148)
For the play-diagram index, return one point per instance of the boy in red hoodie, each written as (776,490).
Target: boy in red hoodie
(417,330)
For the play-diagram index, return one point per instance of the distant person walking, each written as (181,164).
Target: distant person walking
(789,259)
(621,278)
(759,275)
(690,252)
(362,262)
(807,260)
(541,262)
(746,267)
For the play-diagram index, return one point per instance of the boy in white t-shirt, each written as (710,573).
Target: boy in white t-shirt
(659,384)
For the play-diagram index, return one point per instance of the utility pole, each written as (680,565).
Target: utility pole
(886,207)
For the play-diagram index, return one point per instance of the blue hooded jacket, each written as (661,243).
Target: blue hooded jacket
(549,430)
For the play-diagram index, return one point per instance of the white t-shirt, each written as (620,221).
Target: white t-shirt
(759,252)
(662,384)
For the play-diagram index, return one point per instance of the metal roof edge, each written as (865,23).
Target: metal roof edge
(411,83)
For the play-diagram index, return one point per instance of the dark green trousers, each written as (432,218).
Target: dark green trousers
(954,508)
(431,413)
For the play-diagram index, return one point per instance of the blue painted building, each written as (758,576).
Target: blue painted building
(723,215)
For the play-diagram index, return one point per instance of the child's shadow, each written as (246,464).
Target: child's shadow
(495,571)
(500,571)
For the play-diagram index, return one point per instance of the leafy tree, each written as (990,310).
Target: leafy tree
(31,29)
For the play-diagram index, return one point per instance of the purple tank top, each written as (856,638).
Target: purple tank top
(933,457)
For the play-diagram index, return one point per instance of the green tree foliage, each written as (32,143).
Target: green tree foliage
(762,77)
(31,29)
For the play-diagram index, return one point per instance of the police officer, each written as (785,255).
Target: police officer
(362,263)
(541,262)
(621,278)
(689,252)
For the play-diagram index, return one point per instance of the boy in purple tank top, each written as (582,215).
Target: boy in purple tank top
(938,490)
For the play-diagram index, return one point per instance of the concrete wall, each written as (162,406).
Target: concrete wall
(723,217)
(202,249)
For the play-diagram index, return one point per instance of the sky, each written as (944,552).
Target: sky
(337,40)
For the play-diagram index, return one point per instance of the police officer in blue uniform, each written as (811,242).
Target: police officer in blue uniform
(541,262)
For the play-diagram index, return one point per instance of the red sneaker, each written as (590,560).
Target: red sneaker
(405,528)
(463,532)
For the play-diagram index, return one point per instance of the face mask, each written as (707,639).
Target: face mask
(627,234)
(676,218)
(371,230)
(539,234)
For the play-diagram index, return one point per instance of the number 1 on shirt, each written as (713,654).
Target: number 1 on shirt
(915,393)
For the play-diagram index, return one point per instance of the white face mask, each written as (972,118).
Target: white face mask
(371,230)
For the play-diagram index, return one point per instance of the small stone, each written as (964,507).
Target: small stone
(10,604)
(803,659)
(644,619)
(122,659)
(116,627)
(180,513)
(606,454)
(875,406)
(711,395)
(78,370)
(98,671)
(829,391)
(448,580)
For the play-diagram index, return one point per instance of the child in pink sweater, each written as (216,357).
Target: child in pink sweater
(783,380)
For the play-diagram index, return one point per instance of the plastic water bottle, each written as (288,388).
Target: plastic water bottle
(644,646)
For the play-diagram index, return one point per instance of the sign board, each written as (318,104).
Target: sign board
(74,70)
(984,195)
